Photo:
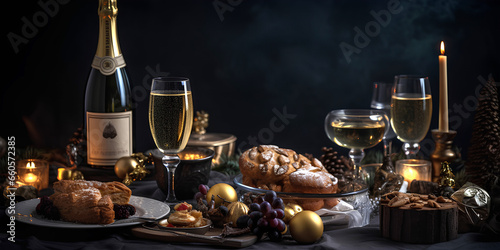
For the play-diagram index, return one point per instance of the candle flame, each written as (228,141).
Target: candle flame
(30,178)
(442,48)
(410,174)
(30,164)
(192,156)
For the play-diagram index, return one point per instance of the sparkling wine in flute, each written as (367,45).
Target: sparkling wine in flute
(411,116)
(359,134)
(171,119)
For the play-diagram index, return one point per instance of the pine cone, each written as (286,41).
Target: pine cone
(483,163)
(336,164)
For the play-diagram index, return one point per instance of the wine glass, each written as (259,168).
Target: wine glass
(356,129)
(411,111)
(170,122)
(381,99)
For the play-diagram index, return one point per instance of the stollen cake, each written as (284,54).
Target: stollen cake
(283,170)
(89,202)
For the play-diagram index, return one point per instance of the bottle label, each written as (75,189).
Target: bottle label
(107,64)
(109,137)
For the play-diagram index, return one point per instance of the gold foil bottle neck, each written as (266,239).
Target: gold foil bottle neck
(108,56)
(107,8)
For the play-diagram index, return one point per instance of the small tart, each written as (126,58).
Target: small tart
(181,218)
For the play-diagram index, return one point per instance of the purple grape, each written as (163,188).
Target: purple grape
(278,203)
(242,221)
(250,223)
(280,214)
(255,215)
(281,226)
(270,195)
(254,207)
(262,223)
(223,209)
(274,235)
(271,214)
(265,207)
(258,231)
(198,196)
(203,189)
(273,223)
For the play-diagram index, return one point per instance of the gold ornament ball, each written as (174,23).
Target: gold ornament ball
(235,210)
(306,227)
(291,209)
(225,191)
(125,165)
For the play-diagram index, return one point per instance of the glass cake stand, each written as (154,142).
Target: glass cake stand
(353,210)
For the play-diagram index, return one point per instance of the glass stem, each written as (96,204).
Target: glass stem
(387,147)
(170,162)
(356,156)
(411,149)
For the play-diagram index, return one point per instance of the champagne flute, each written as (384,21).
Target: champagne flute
(170,122)
(381,99)
(411,111)
(356,129)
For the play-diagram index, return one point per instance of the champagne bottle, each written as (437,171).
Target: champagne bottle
(108,100)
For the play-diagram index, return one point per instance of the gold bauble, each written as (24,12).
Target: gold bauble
(69,174)
(306,227)
(125,165)
(291,209)
(235,210)
(225,191)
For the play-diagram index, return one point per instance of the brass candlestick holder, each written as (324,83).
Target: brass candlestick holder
(443,151)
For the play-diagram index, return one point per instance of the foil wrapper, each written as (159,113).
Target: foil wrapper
(473,205)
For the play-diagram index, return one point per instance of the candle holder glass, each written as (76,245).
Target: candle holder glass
(413,169)
(33,172)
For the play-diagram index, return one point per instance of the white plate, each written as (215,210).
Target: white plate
(145,207)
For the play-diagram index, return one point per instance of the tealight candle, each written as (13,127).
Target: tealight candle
(412,169)
(33,172)
(30,178)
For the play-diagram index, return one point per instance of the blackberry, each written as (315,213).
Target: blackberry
(52,213)
(131,209)
(121,212)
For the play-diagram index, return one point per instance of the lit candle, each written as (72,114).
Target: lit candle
(443,91)
(191,156)
(413,169)
(30,178)
(60,173)
(410,174)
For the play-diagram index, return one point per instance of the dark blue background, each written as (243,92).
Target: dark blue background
(244,61)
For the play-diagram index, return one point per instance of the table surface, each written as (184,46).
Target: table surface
(368,237)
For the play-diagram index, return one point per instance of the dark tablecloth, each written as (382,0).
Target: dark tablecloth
(368,237)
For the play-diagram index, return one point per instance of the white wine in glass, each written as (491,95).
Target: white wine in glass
(357,130)
(411,111)
(170,122)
